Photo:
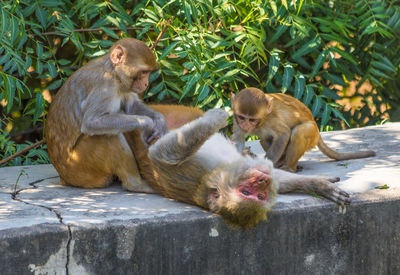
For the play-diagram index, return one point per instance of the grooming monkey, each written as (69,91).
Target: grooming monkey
(91,111)
(196,165)
(285,126)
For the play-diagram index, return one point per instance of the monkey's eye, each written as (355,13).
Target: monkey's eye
(245,192)
(261,197)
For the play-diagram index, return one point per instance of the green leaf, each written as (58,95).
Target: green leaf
(110,32)
(38,107)
(189,85)
(10,92)
(168,50)
(307,48)
(274,62)
(326,115)
(52,70)
(318,102)
(155,90)
(334,79)
(188,13)
(319,62)
(39,67)
(308,96)
(279,31)
(203,92)
(41,15)
(339,115)
(300,84)
(4,22)
(344,54)
(14,30)
(382,66)
(39,50)
(54,85)
(379,73)
(330,94)
(287,77)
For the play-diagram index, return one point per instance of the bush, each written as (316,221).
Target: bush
(312,50)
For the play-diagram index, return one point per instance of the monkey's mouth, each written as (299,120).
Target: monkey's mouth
(255,186)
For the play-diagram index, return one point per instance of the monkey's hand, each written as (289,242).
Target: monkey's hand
(217,116)
(160,129)
(247,151)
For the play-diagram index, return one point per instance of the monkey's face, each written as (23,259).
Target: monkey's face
(245,198)
(132,79)
(245,122)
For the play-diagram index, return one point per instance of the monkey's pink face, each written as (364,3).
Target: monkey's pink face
(255,186)
(141,82)
(246,123)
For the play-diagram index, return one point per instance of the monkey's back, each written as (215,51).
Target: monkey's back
(290,109)
(64,119)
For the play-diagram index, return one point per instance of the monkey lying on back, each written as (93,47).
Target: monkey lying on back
(195,165)
(285,126)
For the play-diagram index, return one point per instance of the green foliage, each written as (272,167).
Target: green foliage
(309,49)
(9,147)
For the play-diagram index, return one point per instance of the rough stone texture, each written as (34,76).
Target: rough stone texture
(46,228)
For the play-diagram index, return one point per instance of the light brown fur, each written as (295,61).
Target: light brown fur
(286,127)
(190,165)
(91,111)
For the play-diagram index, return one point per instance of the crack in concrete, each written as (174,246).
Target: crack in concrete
(58,214)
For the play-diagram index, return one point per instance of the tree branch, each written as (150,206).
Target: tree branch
(23,151)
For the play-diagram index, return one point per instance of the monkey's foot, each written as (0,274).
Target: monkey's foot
(217,116)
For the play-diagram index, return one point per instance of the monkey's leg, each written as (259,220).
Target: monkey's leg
(95,161)
(181,143)
(127,171)
(303,138)
(278,146)
(320,185)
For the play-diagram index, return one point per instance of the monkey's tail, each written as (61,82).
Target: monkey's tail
(342,156)
(146,167)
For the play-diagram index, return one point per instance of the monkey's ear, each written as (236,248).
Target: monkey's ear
(118,55)
(232,97)
(270,104)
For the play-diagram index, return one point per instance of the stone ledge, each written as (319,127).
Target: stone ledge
(48,228)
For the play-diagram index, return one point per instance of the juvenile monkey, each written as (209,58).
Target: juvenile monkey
(285,126)
(91,111)
(196,165)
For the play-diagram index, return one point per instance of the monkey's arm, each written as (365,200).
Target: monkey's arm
(238,137)
(115,123)
(183,142)
(320,185)
(160,124)
(277,146)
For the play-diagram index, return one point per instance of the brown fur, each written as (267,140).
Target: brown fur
(286,130)
(177,115)
(91,110)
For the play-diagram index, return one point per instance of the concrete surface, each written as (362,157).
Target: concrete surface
(49,229)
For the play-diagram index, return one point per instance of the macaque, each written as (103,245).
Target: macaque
(95,106)
(198,166)
(285,126)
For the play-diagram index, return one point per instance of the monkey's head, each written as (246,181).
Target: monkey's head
(133,62)
(250,108)
(243,194)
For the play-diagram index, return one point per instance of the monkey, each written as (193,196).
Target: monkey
(87,118)
(196,165)
(285,126)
